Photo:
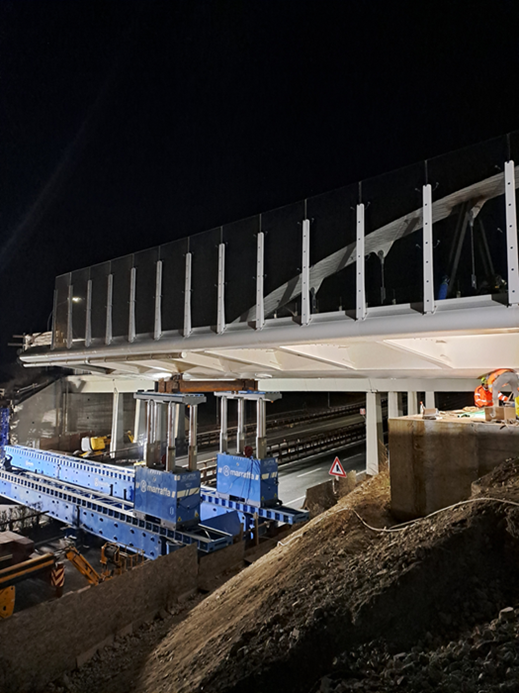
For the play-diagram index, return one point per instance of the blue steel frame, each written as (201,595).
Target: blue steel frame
(105,478)
(278,514)
(105,517)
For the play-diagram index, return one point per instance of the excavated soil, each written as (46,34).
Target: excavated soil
(339,606)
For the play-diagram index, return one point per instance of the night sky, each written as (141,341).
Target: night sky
(127,124)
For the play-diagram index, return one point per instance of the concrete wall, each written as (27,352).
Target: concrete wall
(38,644)
(434,462)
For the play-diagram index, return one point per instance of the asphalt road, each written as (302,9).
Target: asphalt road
(295,477)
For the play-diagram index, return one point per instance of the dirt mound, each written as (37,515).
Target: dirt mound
(336,585)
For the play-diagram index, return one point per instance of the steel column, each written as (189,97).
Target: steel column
(392,405)
(193,422)
(149,433)
(131,316)
(261,429)
(109,302)
(428,272)
(157,331)
(511,235)
(240,433)
(220,316)
(430,400)
(88,314)
(171,434)
(373,425)
(187,297)
(360,312)
(305,274)
(412,404)
(138,428)
(260,259)
(224,442)
(117,423)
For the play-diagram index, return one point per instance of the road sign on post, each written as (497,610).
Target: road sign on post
(337,469)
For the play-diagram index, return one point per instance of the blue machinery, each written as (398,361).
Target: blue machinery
(155,510)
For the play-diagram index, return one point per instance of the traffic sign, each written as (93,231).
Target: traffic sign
(337,469)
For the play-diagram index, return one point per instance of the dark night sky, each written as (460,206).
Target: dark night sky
(127,124)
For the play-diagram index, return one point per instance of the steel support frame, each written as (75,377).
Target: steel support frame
(373,431)
(113,521)
(224,439)
(260,261)
(511,235)
(187,296)
(428,268)
(220,314)
(70,296)
(360,260)
(278,514)
(305,273)
(109,308)
(131,306)
(88,314)
(157,326)
(412,403)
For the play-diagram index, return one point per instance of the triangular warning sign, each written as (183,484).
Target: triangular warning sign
(337,469)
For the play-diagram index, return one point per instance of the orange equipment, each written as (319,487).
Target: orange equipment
(489,392)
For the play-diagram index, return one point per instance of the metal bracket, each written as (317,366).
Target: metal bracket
(305,274)
(428,272)
(220,317)
(88,314)
(260,260)
(187,297)
(157,331)
(360,312)
(511,235)
(109,308)
(131,316)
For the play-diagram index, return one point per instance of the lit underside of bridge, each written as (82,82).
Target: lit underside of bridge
(286,298)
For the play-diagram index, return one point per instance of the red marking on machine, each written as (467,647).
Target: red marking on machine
(337,469)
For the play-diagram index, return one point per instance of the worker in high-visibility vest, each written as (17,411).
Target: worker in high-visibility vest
(489,392)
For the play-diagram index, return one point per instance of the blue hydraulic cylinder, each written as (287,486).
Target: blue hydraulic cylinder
(173,498)
(251,480)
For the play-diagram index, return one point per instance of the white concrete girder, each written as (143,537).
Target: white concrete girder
(337,355)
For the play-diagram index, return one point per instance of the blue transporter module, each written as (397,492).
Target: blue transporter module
(171,497)
(254,481)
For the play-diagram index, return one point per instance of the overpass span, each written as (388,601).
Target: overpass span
(406,282)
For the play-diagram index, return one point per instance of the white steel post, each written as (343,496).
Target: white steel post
(261,429)
(392,405)
(240,434)
(220,316)
(187,297)
(305,274)
(360,312)
(511,235)
(224,447)
(428,272)
(116,438)
(54,319)
(430,400)
(412,404)
(157,330)
(109,300)
(131,316)
(373,425)
(260,259)
(171,428)
(88,315)
(193,422)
